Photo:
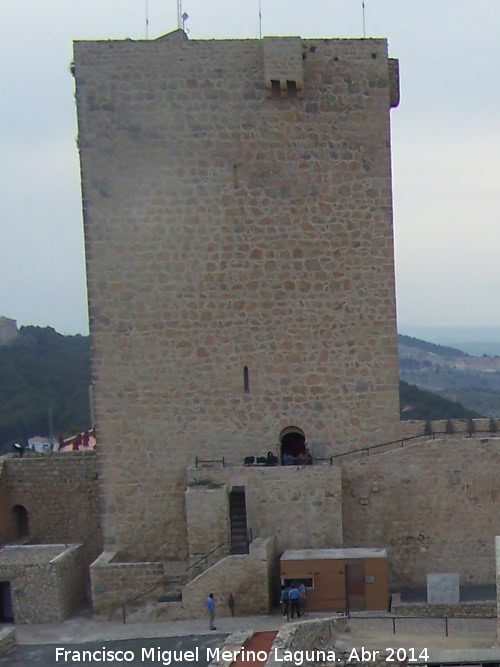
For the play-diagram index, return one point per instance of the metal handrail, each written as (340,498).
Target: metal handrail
(197,460)
(412,617)
(140,595)
(205,556)
(432,435)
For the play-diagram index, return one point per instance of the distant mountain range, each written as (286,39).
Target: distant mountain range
(473,340)
(452,374)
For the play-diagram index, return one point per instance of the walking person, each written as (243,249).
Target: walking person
(210,607)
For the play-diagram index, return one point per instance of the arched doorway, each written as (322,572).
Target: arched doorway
(293,443)
(21,521)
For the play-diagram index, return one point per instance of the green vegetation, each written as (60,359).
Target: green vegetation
(419,404)
(45,376)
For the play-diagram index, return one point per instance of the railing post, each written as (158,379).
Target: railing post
(393,625)
(446,622)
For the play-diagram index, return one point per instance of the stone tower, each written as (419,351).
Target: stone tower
(238,222)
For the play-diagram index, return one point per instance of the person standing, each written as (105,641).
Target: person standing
(294,596)
(285,591)
(210,607)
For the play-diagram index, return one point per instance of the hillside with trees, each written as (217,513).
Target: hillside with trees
(45,380)
(452,374)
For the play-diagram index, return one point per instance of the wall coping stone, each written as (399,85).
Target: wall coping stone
(7,639)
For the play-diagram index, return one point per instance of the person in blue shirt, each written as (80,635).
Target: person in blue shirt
(210,607)
(294,596)
(285,591)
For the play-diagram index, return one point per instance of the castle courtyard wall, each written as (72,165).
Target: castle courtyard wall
(239,257)
(60,493)
(47,583)
(434,505)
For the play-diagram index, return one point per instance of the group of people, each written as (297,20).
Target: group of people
(293,600)
(303,459)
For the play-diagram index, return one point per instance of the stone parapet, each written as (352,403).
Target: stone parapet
(245,577)
(115,583)
(433,504)
(462,610)
(480,427)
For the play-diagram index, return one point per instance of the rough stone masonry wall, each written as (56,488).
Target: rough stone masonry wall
(115,583)
(462,610)
(245,576)
(301,506)
(61,495)
(435,505)
(47,583)
(227,230)
(7,526)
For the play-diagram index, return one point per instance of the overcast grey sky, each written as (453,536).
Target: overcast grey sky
(445,141)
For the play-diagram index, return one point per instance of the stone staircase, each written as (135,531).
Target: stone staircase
(238,517)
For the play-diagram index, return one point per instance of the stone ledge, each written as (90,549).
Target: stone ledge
(7,639)
(463,610)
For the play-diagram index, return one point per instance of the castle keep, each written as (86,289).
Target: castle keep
(238,223)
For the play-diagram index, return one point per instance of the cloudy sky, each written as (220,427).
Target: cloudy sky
(445,137)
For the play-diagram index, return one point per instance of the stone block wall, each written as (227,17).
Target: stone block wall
(60,493)
(302,506)
(7,526)
(434,505)
(207,516)
(114,583)
(47,582)
(226,231)
(245,576)
(70,574)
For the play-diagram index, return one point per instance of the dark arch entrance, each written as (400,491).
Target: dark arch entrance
(21,521)
(293,443)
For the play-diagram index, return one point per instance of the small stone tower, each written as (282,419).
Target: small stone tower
(238,223)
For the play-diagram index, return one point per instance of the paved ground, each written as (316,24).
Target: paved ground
(138,652)
(471,640)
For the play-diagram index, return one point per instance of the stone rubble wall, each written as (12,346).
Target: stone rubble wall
(60,492)
(193,275)
(434,505)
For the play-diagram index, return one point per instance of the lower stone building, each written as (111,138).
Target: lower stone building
(432,504)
